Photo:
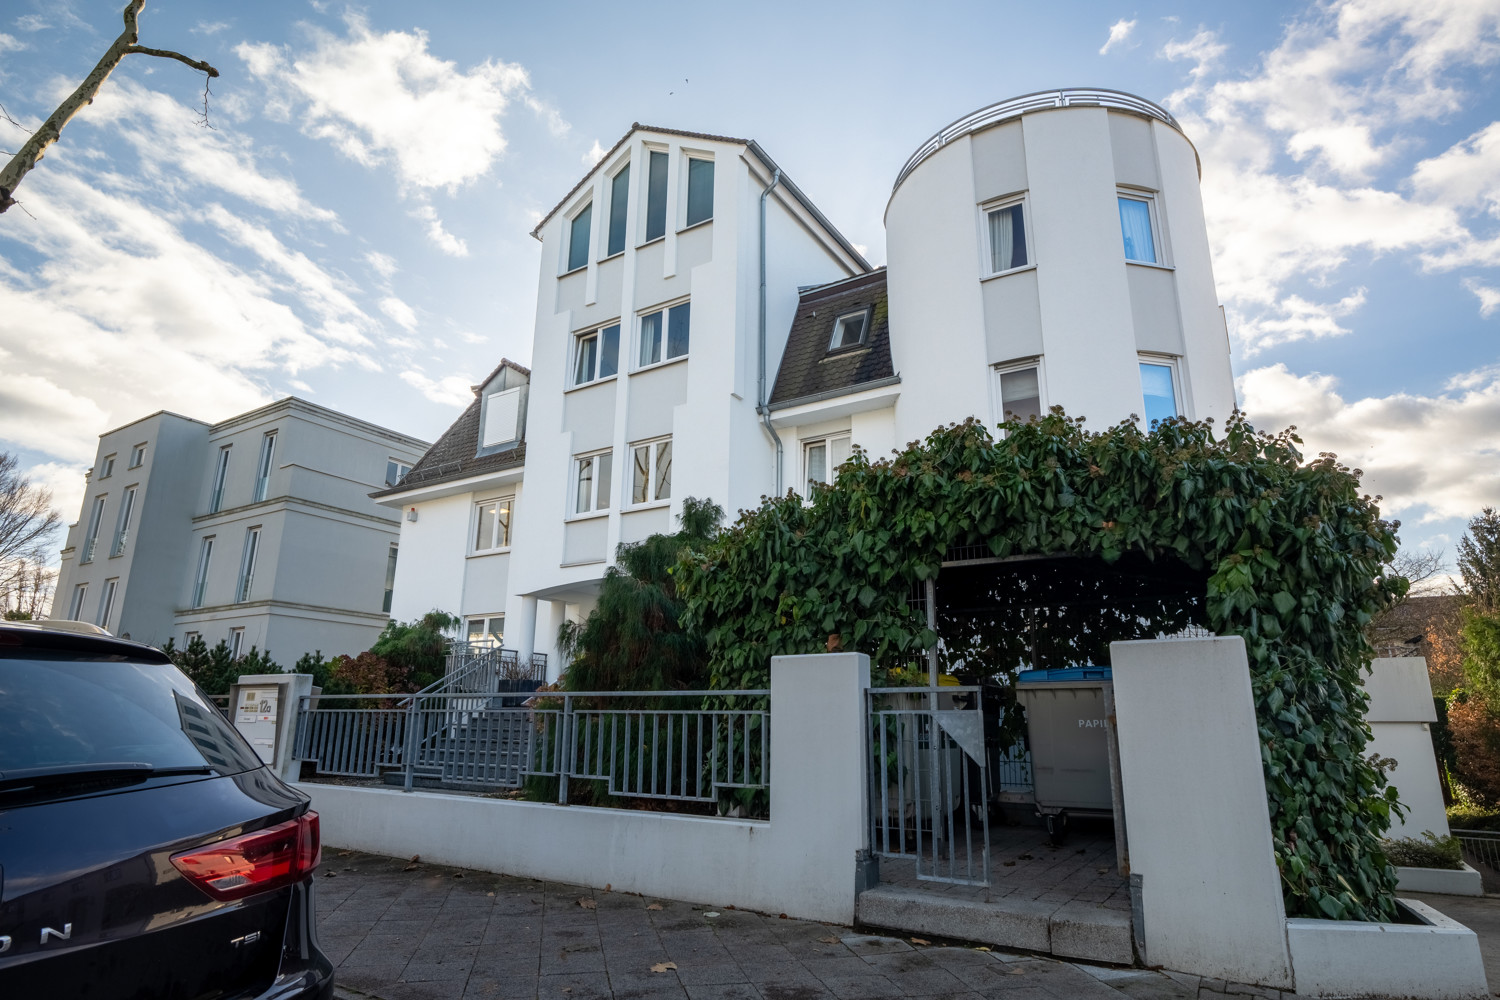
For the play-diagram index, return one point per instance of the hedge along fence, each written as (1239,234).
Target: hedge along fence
(1296,561)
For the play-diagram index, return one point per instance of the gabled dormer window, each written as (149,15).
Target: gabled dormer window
(850,329)
(502,418)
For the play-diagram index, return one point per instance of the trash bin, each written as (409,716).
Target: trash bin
(1069,735)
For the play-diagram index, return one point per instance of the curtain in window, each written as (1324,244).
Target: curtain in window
(1020,395)
(817,465)
(1135,225)
(1007,238)
(650,339)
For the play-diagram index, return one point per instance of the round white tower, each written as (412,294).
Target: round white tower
(1049,250)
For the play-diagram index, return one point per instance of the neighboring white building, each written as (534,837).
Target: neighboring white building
(702,330)
(257,530)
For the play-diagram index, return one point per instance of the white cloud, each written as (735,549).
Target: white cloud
(41,415)
(445,241)
(66,482)
(1119,32)
(452,390)
(32,22)
(209,27)
(385,99)
(399,312)
(10,43)
(1432,457)
(383,263)
(1489,298)
(1297,318)
(469,337)
(594,155)
(1203,50)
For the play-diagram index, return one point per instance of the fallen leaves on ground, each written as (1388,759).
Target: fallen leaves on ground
(920,941)
(588,904)
(664,966)
(830,939)
(415,858)
(653,906)
(608,887)
(981,948)
(1015,971)
(458,874)
(411,868)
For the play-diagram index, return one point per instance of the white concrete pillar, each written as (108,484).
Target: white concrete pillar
(263,707)
(520,624)
(1401,715)
(1195,810)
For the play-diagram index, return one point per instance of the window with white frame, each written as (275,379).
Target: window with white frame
(822,458)
(619,210)
(591,482)
(91,539)
(221,473)
(236,642)
(200,578)
(578,237)
(394,470)
(596,354)
(137,456)
(188,638)
(492,524)
(700,190)
(264,466)
(656,195)
(651,471)
(247,564)
(107,603)
(1138,227)
(107,467)
(1006,225)
(1019,392)
(1159,389)
(485,630)
(502,416)
(664,334)
(75,608)
(850,329)
(122,527)
(390,579)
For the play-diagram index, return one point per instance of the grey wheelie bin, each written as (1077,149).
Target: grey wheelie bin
(1065,721)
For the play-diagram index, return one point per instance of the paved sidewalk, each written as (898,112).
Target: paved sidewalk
(398,930)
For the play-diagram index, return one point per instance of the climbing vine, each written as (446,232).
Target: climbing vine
(1295,558)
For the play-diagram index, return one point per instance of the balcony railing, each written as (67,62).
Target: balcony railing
(121,538)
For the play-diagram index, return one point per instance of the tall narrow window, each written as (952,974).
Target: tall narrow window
(1007,238)
(700,191)
(1020,394)
(107,603)
(492,524)
(824,458)
(75,609)
(122,528)
(200,578)
(1159,391)
(247,565)
(597,354)
(656,197)
(593,483)
(137,456)
(390,579)
(91,540)
(1135,226)
(221,473)
(578,238)
(264,466)
(236,642)
(651,472)
(619,208)
(676,322)
(107,467)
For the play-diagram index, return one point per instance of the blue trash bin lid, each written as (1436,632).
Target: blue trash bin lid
(1087,672)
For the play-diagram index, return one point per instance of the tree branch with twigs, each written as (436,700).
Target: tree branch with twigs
(26,159)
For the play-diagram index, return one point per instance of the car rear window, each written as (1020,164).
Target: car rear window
(59,709)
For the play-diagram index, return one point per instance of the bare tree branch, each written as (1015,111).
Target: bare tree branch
(5,116)
(51,130)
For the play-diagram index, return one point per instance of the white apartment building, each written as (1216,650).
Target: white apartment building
(257,530)
(702,330)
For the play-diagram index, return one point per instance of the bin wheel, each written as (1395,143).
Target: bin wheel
(1057,828)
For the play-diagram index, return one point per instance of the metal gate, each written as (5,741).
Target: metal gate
(929,782)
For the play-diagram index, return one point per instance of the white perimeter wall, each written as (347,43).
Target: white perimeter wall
(1401,715)
(801,863)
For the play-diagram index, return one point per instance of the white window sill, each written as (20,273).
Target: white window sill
(590,385)
(580,268)
(697,225)
(845,352)
(642,246)
(592,515)
(653,505)
(661,364)
(617,253)
(1147,263)
(482,553)
(1007,274)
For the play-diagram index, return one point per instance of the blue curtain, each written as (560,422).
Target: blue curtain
(1135,225)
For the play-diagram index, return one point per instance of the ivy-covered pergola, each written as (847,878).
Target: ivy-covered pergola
(1287,554)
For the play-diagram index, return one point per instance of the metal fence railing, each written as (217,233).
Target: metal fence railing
(678,746)
(1010,771)
(1482,852)
(929,799)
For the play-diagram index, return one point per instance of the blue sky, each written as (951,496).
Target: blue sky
(355,228)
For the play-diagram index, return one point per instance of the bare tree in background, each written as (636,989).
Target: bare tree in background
(1397,626)
(36,147)
(28,525)
(26,590)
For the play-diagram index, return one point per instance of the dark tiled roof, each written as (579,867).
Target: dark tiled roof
(504,363)
(807,367)
(452,457)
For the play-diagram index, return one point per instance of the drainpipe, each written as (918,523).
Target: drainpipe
(760,406)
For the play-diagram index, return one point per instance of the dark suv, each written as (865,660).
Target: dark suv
(145,851)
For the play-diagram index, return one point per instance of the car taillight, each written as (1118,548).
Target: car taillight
(255,862)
